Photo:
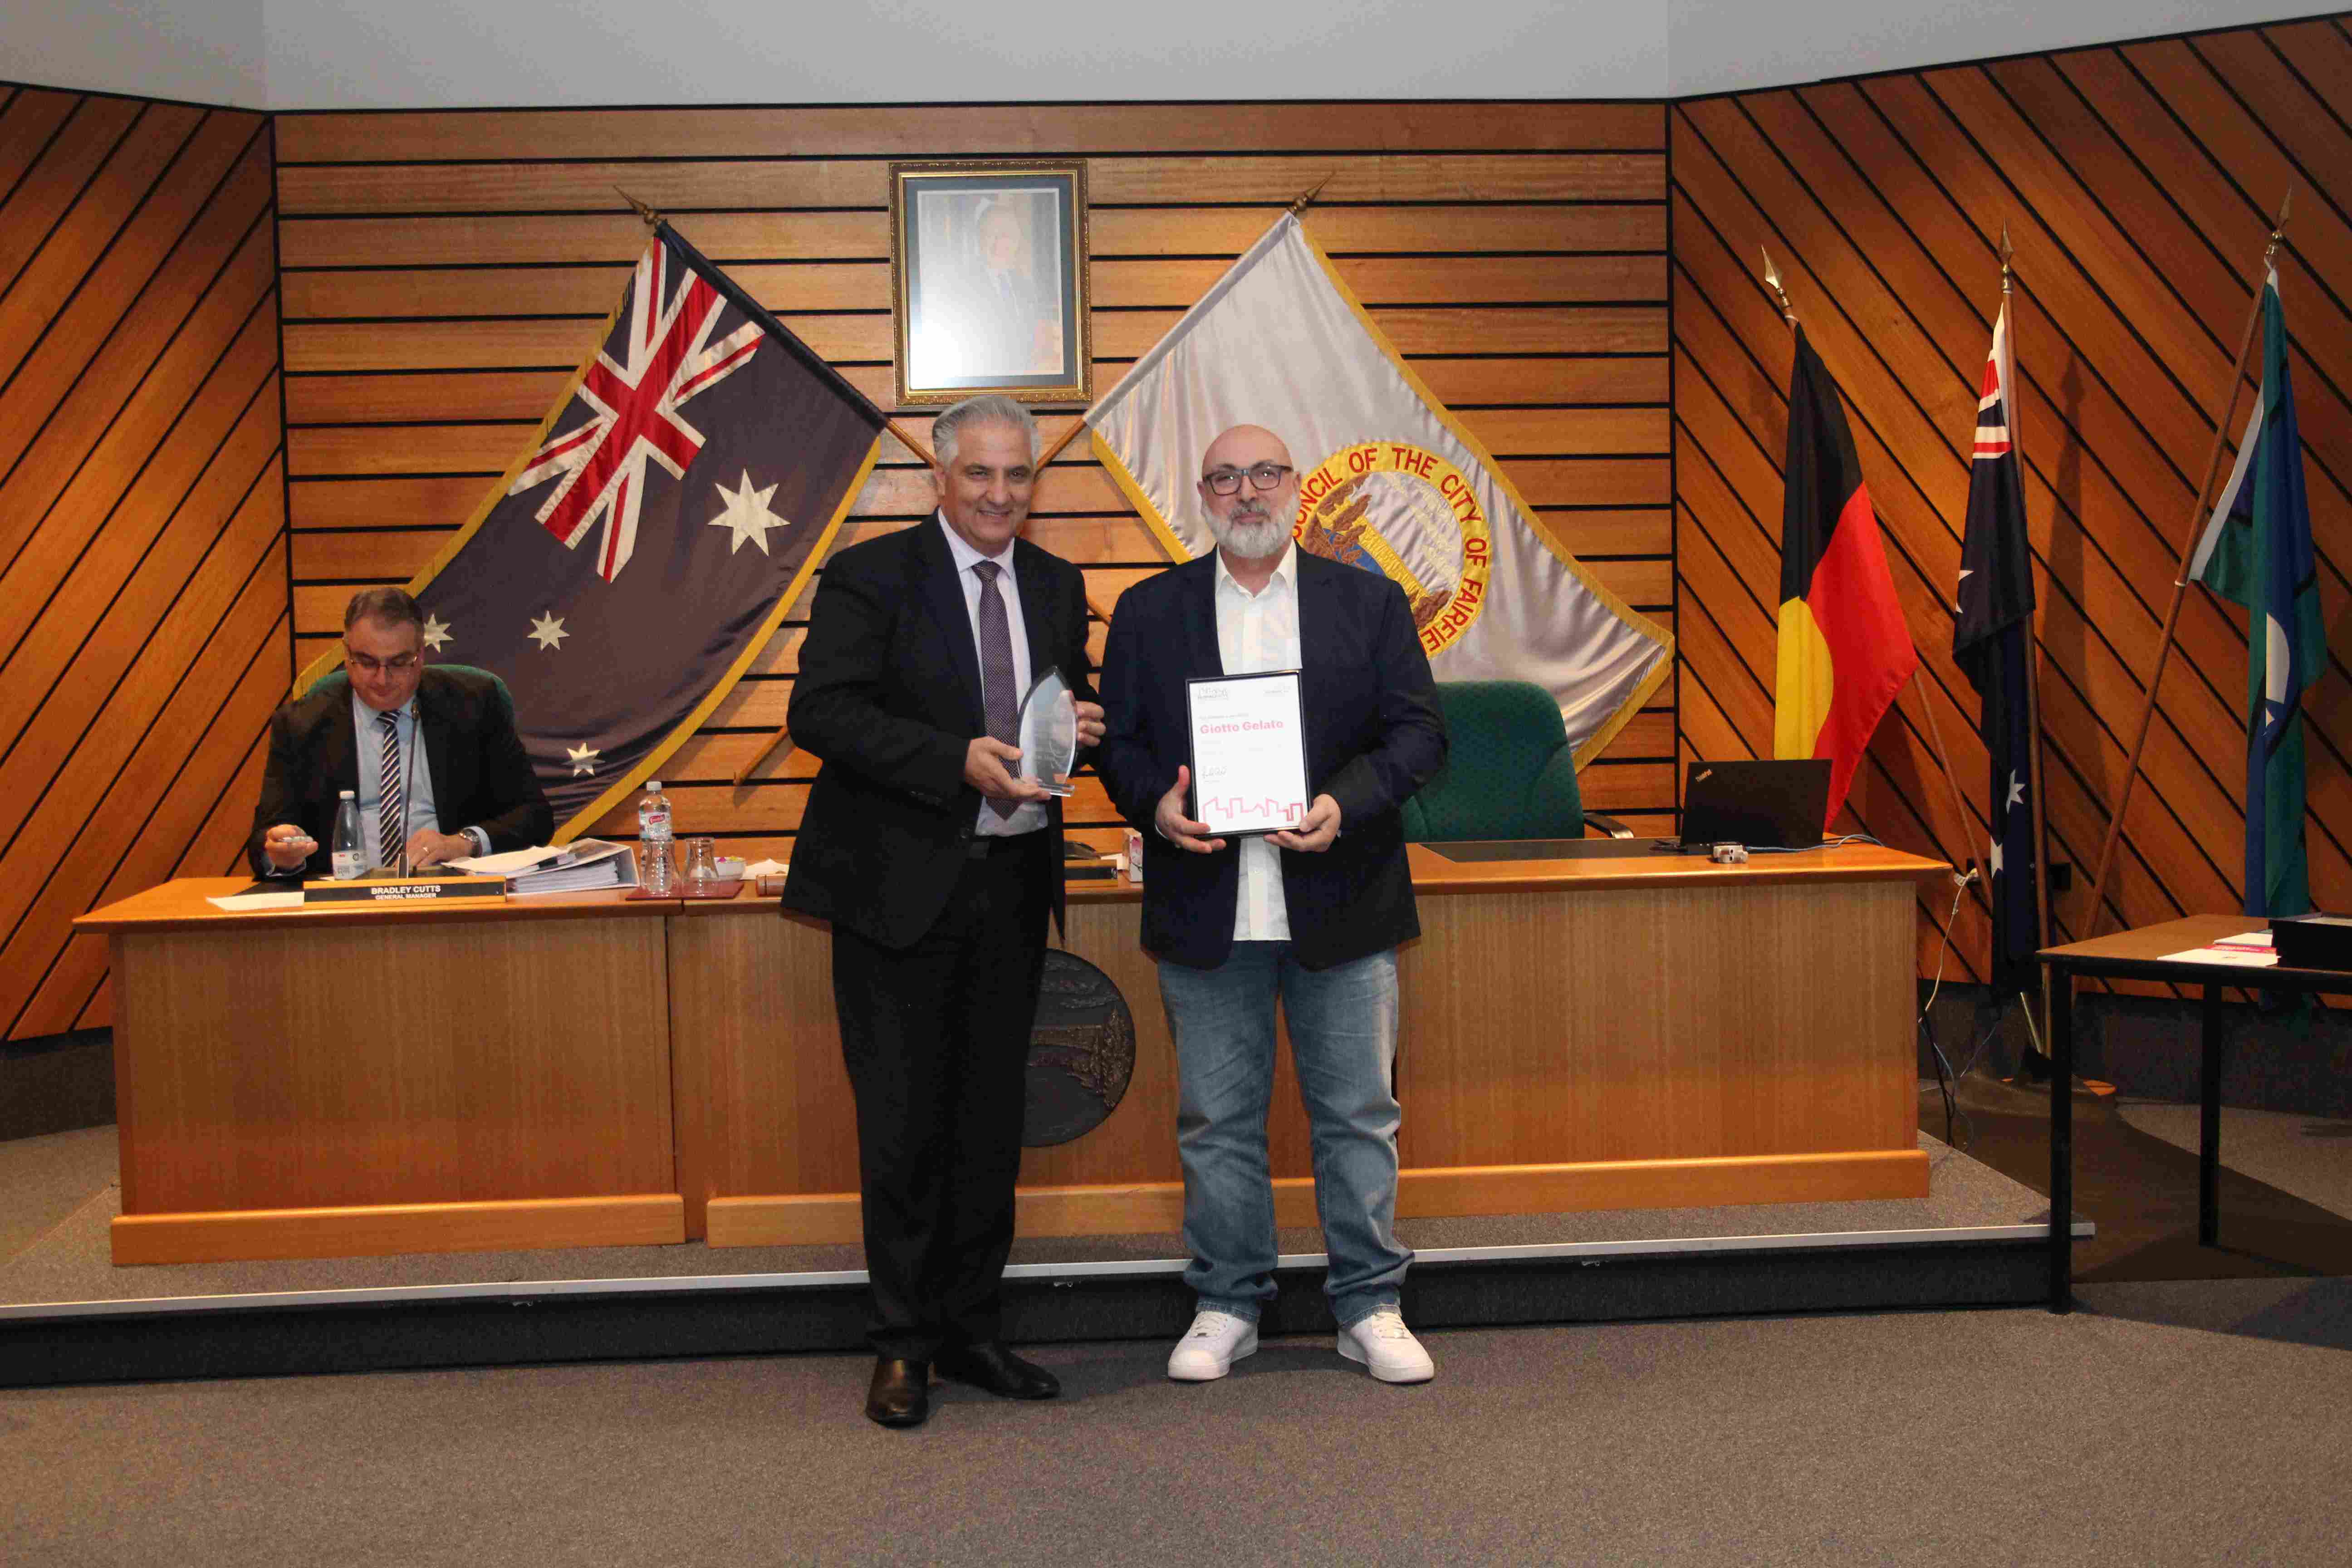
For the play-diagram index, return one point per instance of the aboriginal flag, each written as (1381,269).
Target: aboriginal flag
(1993,642)
(1845,652)
(628,568)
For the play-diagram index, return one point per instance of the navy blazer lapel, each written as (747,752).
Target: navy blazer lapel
(342,758)
(433,733)
(1037,610)
(941,591)
(1316,613)
(1314,608)
(1201,621)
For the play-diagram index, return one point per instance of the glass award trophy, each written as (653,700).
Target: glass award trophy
(1049,733)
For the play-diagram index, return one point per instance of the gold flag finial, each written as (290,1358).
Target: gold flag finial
(1310,192)
(652,219)
(2278,226)
(2007,251)
(1772,276)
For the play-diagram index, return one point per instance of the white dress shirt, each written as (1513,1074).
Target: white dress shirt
(1255,633)
(367,737)
(1031,816)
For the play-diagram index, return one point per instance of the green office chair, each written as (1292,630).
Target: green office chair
(340,674)
(1509,771)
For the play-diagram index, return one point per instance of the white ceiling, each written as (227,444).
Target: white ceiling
(351,54)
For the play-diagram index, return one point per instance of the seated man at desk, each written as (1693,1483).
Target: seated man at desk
(472,792)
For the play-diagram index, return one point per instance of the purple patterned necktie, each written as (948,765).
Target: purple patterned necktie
(997,701)
(392,809)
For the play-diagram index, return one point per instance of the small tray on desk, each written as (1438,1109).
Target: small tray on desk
(710,891)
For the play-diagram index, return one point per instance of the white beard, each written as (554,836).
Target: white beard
(1251,541)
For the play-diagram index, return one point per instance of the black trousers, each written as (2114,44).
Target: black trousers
(936,1036)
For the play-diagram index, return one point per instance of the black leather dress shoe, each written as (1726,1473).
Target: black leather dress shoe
(900,1393)
(991,1366)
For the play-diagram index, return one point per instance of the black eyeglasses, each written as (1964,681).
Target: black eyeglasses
(1228,481)
(398,664)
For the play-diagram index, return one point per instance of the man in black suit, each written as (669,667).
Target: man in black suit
(937,864)
(472,791)
(1312,914)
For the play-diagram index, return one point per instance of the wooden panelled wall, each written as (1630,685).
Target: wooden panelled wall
(444,272)
(2135,182)
(144,599)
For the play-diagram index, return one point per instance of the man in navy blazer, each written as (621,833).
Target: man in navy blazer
(1311,915)
(937,865)
(471,790)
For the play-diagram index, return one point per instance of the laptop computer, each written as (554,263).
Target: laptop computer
(1776,805)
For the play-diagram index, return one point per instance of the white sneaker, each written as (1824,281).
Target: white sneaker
(1210,1346)
(1387,1347)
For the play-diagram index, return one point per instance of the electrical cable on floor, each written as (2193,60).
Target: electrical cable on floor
(1946,1080)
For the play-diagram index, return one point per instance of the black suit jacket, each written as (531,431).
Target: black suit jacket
(1374,735)
(482,777)
(888,697)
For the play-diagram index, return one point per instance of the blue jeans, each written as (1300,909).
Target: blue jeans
(1343,1028)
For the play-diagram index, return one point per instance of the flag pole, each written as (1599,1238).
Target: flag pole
(2180,577)
(2041,927)
(1934,732)
(1064,439)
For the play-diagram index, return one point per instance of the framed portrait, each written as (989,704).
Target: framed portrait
(988,280)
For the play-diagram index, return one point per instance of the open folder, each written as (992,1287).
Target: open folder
(582,865)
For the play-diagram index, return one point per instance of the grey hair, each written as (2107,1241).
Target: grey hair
(988,408)
(393,606)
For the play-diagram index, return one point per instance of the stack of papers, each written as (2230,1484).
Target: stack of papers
(584,865)
(2248,950)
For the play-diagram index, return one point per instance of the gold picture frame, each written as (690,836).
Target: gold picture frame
(988,280)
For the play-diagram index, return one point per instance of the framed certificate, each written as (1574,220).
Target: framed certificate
(1249,752)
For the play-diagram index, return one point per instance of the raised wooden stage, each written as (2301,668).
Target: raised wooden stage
(1577,1034)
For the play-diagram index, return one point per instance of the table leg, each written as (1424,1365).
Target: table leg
(2209,1126)
(2062,1140)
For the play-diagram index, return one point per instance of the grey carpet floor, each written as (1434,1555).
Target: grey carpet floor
(43,1180)
(2309,1156)
(2186,1422)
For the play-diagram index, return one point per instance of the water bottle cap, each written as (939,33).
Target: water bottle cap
(653,786)
(350,795)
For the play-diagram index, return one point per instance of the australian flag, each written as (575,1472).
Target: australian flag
(630,566)
(1993,645)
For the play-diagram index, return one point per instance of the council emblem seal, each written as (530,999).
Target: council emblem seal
(1407,513)
(1081,1052)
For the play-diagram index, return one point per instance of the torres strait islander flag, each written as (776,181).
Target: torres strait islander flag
(2256,551)
(1844,651)
(1389,481)
(628,568)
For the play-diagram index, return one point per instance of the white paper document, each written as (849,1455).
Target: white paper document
(239,903)
(2247,949)
(513,862)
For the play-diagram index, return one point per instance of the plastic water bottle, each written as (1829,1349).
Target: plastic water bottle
(350,855)
(655,872)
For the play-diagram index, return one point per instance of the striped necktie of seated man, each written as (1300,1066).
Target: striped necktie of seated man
(392,804)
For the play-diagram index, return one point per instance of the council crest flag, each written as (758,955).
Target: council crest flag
(632,562)
(2256,551)
(1389,481)
(1844,649)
